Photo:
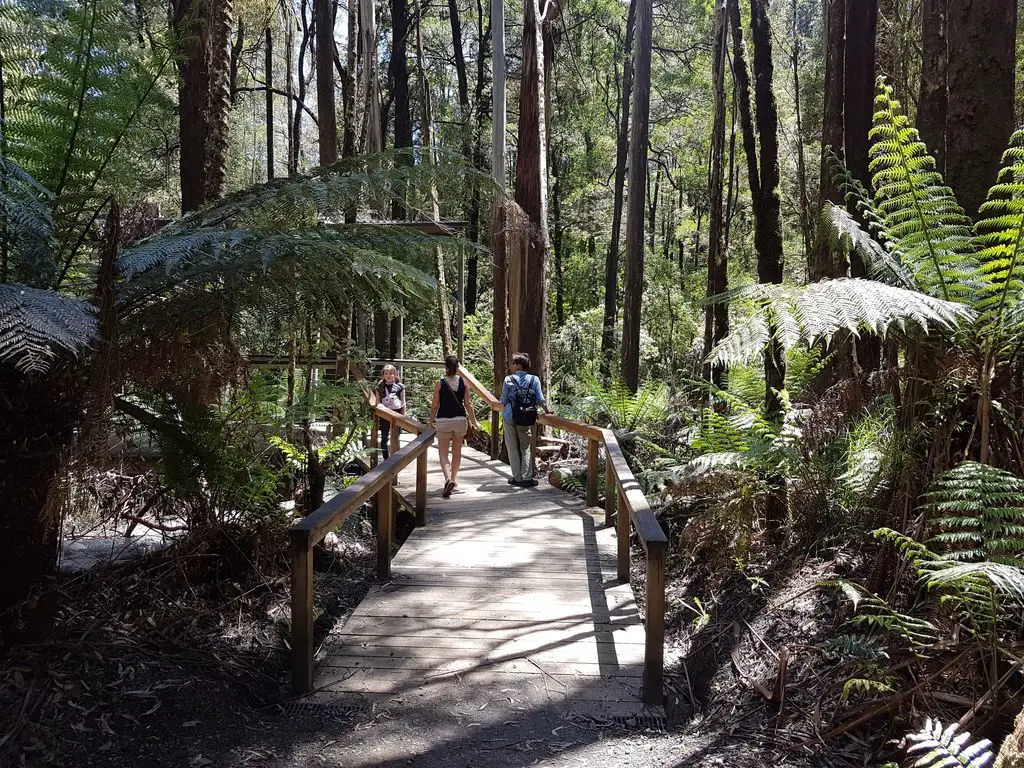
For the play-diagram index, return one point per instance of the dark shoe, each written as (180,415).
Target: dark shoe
(448,488)
(527,483)
(513,481)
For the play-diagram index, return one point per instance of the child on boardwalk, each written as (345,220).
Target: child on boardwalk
(390,394)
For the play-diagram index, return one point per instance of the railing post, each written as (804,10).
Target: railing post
(302,617)
(396,442)
(385,521)
(421,489)
(622,535)
(593,466)
(495,434)
(374,438)
(654,651)
(610,491)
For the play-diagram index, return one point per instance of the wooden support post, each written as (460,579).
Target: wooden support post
(396,433)
(610,492)
(421,489)
(622,536)
(374,439)
(495,435)
(534,434)
(302,618)
(385,524)
(654,651)
(593,467)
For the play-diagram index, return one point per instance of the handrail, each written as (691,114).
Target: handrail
(309,531)
(622,491)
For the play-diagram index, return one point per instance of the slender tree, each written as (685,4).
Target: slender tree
(634,277)
(327,117)
(202,29)
(716,316)
(531,190)
(611,266)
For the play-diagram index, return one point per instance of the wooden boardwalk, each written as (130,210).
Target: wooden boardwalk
(505,589)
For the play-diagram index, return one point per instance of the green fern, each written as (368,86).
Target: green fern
(944,747)
(872,614)
(978,511)
(818,311)
(921,215)
(1000,241)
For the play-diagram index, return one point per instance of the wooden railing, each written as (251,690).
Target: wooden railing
(306,533)
(622,495)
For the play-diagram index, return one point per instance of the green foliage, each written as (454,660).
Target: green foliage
(874,615)
(815,312)
(945,747)
(34,323)
(928,229)
(978,511)
(614,406)
(212,456)
(1000,241)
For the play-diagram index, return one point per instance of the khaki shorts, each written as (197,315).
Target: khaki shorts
(451,428)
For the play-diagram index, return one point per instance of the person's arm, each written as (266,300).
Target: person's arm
(468,403)
(540,396)
(505,398)
(435,403)
(401,395)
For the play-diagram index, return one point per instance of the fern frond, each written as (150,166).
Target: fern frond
(977,512)
(1000,241)
(36,324)
(809,313)
(921,215)
(944,747)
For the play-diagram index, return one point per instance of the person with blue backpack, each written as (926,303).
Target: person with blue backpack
(521,394)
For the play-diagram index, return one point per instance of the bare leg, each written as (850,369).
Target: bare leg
(442,450)
(456,456)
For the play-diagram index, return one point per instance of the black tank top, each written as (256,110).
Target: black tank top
(451,401)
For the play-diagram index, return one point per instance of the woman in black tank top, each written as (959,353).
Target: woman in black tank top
(451,413)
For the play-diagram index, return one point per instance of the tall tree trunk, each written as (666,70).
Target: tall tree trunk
(934,102)
(268,76)
(531,192)
(327,117)
(557,239)
(768,226)
(634,278)
(611,265)
(859,100)
(302,83)
(823,263)
(806,215)
(348,94)
(982,49)
(202,29)
(716,316)
(370,90)
(288,21)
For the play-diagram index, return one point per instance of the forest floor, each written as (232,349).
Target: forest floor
(179,660)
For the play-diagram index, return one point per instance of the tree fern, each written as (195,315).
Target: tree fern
(36,324)
(944,747)
(807,314)
(978,513)
(1000,241)
(921,215)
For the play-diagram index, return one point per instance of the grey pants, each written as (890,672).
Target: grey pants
(517,440)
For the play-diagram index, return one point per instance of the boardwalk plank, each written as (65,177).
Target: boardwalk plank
(503,587)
